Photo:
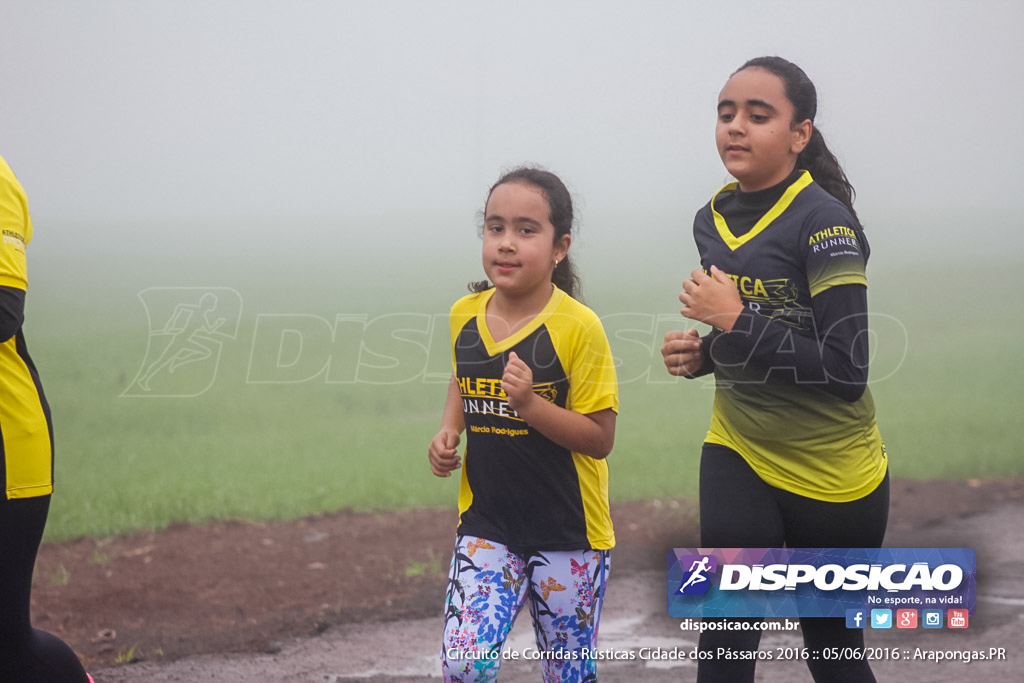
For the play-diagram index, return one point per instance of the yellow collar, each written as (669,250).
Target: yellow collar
(734,242)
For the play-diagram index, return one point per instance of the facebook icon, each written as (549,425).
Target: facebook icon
(855,618)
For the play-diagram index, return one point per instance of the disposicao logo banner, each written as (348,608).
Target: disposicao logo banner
(817,582)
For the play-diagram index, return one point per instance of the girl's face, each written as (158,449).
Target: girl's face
(757,137)
(520,249)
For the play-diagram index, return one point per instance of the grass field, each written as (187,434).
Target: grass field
(292,418)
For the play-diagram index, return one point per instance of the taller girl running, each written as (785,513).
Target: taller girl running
(534,384)
(793,456)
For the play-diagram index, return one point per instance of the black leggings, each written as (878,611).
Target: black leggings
(739,510)
(27,655)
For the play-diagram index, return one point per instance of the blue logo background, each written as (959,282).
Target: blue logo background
(856,618)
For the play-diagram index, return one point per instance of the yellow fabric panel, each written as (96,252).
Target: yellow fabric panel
(15,230)
(26,437)
(832,462)
(593,476)
(23,422)
(839,279)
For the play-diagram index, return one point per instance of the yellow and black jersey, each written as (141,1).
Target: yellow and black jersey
(518,487)
(791,376)
(26,466)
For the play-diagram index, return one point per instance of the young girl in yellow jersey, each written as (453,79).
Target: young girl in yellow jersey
(534,389)
(26,464)
(793,456)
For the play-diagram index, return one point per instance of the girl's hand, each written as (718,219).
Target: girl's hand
(442,453)
(682,352)
(711,299)
(517,382)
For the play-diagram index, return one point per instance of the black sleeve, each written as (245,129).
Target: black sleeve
(833,356)
(707,365)
(12,311)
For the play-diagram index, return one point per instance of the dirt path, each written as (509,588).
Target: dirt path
(297,602)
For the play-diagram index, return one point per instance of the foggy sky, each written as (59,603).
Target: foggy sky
(124,111)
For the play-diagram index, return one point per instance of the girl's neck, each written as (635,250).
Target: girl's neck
(506,314)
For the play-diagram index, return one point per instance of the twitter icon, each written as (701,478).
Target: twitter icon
(881,618)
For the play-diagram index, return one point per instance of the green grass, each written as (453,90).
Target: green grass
(947,401)
(950,407)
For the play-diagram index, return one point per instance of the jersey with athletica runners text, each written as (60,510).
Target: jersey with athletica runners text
(518,487)
(794,434)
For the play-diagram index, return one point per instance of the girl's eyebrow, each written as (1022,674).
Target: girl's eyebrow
(521,219)
(749,103)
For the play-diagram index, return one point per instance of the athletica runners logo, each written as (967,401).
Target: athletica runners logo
(696,580)
(188,327)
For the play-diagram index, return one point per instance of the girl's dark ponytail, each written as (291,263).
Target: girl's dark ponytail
(816,157)
(566,278)
(826,171)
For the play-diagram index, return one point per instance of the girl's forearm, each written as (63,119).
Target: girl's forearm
(453,417)
(591,434)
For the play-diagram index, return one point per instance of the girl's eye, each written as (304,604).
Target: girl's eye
(758,118)
(725,118)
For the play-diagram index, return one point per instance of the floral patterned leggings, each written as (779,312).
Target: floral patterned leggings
(488,586)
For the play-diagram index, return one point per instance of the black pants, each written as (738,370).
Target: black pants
(27,655)
(739,510)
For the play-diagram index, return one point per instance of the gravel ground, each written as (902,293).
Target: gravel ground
(635,622)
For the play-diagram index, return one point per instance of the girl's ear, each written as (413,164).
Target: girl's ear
(801,135)
(562,247)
